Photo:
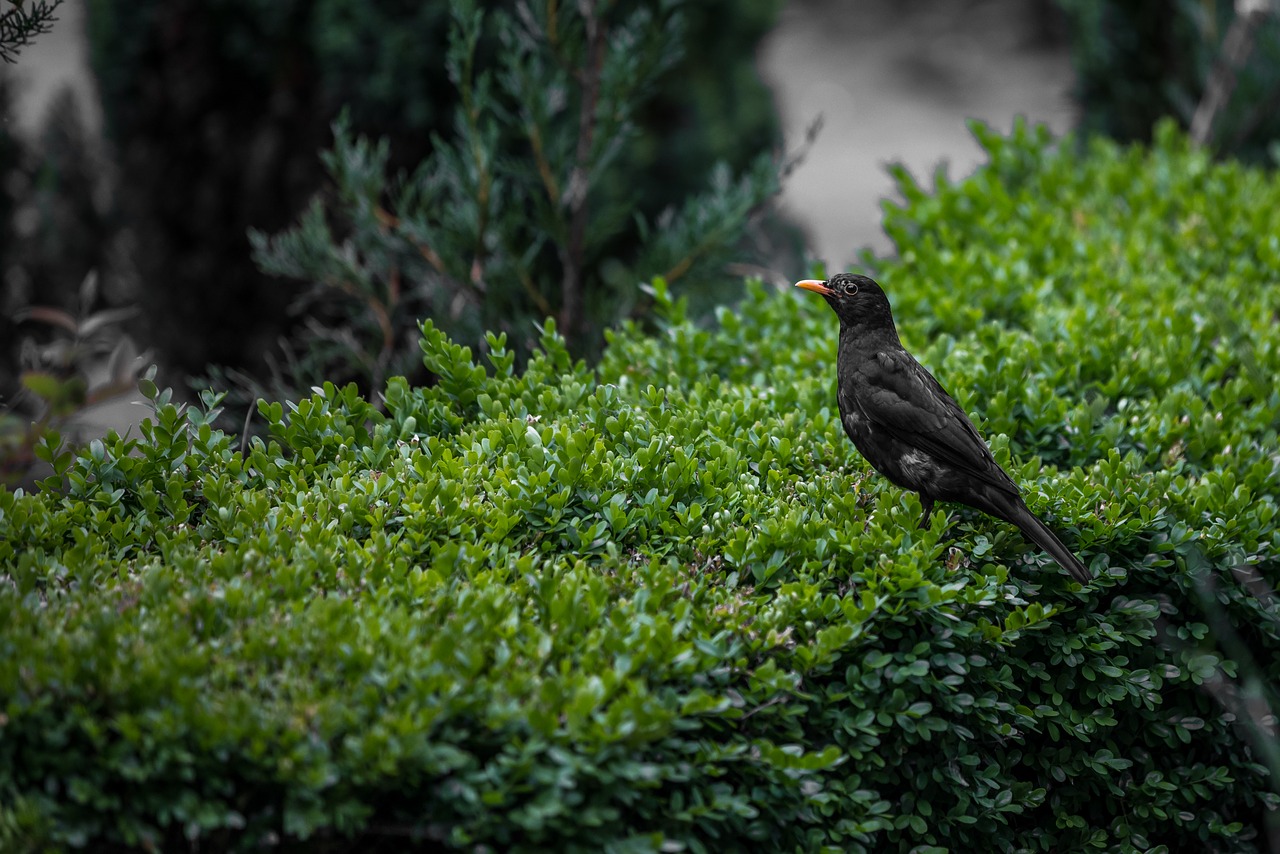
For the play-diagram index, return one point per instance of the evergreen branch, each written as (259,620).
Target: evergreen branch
(19,26)
(718,218)
(430,255)
(381,316)
(483,189)
(711,240)
(475,96)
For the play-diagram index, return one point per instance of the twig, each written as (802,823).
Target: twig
(575,195)
(19,26)
(544,168)
(772,701)
(391,221)
(532,290)
(792,161)
(380,314)
(1236,47)
(482,219)
(685,264)
(244,430)
(473,290)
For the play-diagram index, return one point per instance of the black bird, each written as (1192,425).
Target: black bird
(907,426)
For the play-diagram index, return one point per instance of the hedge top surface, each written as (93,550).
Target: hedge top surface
(660,604)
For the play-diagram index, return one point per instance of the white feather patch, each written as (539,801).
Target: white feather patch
(918,463)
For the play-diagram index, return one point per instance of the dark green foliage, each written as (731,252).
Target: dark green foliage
(62,224)
(218,107)
(62,351)
(660,605)
(215,115)
(1139,61)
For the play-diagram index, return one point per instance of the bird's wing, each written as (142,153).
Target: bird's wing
(898,394)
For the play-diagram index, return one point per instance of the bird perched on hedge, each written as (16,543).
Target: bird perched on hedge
(907,426)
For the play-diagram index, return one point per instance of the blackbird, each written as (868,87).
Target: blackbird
(907,426)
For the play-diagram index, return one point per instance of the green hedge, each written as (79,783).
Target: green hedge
(662,605)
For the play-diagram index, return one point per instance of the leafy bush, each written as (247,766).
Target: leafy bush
(660,604)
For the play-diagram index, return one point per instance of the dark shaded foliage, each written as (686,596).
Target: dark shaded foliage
(217,108)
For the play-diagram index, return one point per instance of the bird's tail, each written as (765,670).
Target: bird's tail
(1040,534)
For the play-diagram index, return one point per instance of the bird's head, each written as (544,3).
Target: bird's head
(857,300)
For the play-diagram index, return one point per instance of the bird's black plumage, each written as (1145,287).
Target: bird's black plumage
(907,426)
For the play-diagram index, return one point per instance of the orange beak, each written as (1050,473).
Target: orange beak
(816,286)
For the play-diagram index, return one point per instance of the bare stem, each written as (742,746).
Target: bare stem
(1236,47)
(575,195)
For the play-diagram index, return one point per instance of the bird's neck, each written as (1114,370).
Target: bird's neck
(868,337)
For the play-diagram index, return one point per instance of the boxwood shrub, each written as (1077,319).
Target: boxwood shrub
(660,604)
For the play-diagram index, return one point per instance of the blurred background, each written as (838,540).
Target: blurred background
(260,195)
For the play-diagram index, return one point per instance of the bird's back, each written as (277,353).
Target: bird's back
(906,424)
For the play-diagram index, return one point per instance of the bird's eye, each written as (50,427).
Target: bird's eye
(851,289)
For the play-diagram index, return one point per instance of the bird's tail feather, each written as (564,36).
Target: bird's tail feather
(1040,534)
